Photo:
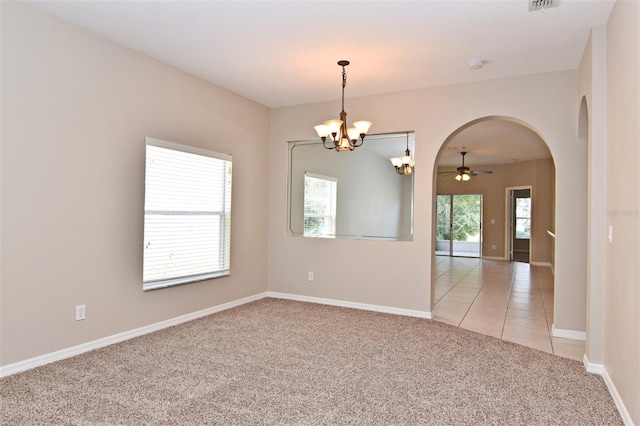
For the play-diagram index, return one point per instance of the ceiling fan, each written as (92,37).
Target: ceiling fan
(464,173)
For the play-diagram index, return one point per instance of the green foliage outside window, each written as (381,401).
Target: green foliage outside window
(466,213)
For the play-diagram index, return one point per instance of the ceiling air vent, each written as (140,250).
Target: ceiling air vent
(542,4)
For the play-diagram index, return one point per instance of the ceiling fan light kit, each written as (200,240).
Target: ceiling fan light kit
(463,177)
(464,173)
(343,138)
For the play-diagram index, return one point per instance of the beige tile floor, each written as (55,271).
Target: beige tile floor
(508,300)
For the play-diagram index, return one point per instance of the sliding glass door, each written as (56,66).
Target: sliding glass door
(458,225)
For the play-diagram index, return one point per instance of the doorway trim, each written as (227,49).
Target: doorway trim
(508,222)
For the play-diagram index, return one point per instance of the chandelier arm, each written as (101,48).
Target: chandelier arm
(355,143)
(324,143)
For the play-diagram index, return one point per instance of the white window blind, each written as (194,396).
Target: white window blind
(187,214)
(320,200)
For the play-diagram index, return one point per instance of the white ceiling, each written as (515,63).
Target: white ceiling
(493,142)
(281,53)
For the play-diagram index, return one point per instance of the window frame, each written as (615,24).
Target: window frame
(224,237)
(333,206)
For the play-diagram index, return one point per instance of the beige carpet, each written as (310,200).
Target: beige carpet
(281,362)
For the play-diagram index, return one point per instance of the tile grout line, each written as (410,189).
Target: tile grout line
(504,321)
(457,282)
(455,285)
(452,287)
(477,294)
(546,318)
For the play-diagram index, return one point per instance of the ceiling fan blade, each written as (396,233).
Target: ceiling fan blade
(481,172)
(447,173)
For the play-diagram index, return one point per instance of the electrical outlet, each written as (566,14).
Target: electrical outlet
(80,312)
(310,277)
(493,247)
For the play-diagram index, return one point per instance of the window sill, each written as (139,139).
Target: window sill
(156,285)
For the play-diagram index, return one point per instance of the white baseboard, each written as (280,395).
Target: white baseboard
(28,364)
(494,258)
(354,305)
(568,334)
(602,371)
(592,367)
(546,264)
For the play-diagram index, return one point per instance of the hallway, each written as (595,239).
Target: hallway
(508,300)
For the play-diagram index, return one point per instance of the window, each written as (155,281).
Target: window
(187,215)
(523,218)
(320,195)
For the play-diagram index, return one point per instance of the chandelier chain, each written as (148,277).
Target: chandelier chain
(344,84)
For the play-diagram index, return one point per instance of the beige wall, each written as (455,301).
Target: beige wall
(540,175)
(622,293)
(75,111)
(368,271)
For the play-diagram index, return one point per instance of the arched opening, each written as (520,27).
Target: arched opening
(506,145)
(583,122)
(595,232)
(499,292)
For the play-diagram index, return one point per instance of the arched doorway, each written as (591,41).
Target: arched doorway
(504,157)
(501,153)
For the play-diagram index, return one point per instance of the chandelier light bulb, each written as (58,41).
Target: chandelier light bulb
(353,133)
(344,145)
(334,126)
(322,130)
(362,127)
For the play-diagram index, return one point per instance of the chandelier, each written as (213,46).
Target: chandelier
(343,139)
(404,165)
